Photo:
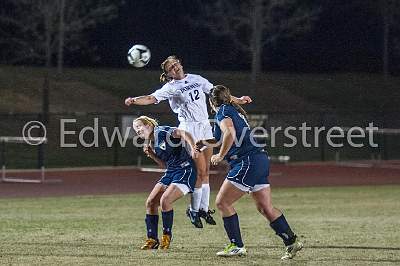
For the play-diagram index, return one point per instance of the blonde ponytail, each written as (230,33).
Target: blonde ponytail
(147,120)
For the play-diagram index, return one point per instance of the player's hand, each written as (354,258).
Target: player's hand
(147,150)
(200,146)
(246,99)
(194,153)
(216,159)
(129,101)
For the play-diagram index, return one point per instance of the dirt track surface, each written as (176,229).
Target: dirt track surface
(104,181)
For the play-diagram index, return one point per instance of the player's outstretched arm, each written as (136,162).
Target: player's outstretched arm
(241,100)
(140,100)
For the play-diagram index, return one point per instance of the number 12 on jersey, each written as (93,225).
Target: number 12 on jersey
(195,95)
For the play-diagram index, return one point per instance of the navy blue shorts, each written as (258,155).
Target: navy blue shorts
(250,173)
(184,178)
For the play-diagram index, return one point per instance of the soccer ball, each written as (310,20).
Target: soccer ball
(139,55)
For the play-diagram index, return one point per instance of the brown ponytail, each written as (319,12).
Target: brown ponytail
(240,109)
(221,95)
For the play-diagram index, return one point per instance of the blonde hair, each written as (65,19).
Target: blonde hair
(220,95)
(148,121)
(164,77)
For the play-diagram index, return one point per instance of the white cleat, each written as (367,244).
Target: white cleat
(232,250)
(292,249)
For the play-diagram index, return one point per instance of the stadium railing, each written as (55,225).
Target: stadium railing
(101,154)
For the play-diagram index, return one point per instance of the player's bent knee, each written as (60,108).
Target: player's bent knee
(266,210)
(151,204)
(271,213)
(165,203)
(221,205)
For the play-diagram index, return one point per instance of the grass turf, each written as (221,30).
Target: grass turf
(340,226)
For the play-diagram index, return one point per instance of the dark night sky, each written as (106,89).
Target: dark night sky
(346,37)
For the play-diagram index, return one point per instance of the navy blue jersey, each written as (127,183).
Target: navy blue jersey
(169,149)
(242,145)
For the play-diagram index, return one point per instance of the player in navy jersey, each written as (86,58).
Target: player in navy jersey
(186,94)
(249,170)
(166,146)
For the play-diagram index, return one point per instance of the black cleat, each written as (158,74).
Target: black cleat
(194,218)
(207,216)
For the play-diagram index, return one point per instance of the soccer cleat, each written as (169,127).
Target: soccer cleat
(194,218)
(291,250)
(165,241)
(150,244)
(232,250)
(207,216)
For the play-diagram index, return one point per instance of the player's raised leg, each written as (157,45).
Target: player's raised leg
(203,170)
(193,210)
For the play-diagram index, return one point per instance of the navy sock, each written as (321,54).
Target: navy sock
(232,229)
(168,219)
(282,229)
(152,225)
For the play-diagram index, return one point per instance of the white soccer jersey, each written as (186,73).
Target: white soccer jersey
(186,97)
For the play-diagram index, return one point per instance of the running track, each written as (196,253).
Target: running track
(122,180)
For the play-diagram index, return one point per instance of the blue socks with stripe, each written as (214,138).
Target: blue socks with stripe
(168,219)
(152,226)
(282,229)
(232,229)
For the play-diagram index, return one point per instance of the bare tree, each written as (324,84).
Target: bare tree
(61,37)
(253,25)
(390,10)
(77,16)
(28,30)
(38,30)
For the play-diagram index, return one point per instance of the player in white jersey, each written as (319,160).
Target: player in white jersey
(186,94)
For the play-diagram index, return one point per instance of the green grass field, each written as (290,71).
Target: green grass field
(340,226)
